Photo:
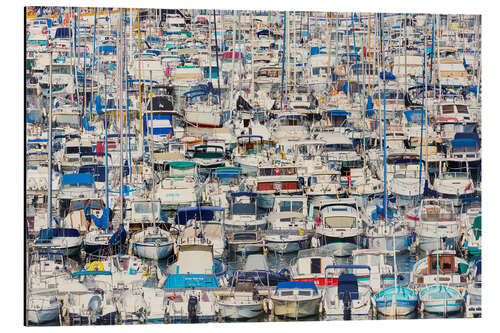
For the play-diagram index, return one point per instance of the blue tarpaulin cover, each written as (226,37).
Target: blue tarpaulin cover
(77,178)
(463,143)
(297,285)
(348,283)
(388,76)
(202,213)
(101,222)
(369,107)
(338,113)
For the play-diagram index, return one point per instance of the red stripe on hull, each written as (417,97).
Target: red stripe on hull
(320,281)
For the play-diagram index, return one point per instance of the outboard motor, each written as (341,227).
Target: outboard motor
(192,307)
(347,306)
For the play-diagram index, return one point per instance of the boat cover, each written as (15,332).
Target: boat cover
(348,283)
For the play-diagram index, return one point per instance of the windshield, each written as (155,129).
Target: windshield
(291,206)
(244,208)
(339,147)
(341,221)
(145,207)
(242,237)
(58,69)
(454,175)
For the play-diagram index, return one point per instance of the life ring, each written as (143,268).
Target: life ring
(96,266)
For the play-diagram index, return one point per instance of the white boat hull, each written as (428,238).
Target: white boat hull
(153,251)
(240,311)
(40,316)
(296,309)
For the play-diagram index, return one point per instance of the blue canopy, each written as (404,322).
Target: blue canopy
(84,273)
(338,112)
(314,50)
(387,75)
(50,233)
(77,178)
(106,48)
(471,199)
(37,140)
(202,213)
(348,283)
(243,194)
(297,285)
(463,143)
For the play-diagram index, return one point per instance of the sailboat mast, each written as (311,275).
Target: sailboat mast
(385,120)
(50,143)
(283,61)
(422,121)
(120,98)
(92,67)
(151,151)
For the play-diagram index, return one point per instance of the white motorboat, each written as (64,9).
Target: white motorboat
(243,302)
(296,299)
(340,225)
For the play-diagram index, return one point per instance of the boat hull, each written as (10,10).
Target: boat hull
(240,311)
(153,251)
(40,316)
(442,306)
(429,244)
(296,309)
(386,243)
(282,247)
(403,307)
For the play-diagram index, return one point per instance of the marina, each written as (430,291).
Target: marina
(208,166)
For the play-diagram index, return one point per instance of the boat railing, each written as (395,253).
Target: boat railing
(438,217)
(451,228)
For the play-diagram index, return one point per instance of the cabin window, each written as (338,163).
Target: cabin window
(462,109)
(447,109)
(287,293)
(315,71)
(245,237)
(316,266)
(304,293)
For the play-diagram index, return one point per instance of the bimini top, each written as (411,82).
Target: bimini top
(181,164)
(297,285)
(337,112)
(77,178)
(457,143)
(202,213)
